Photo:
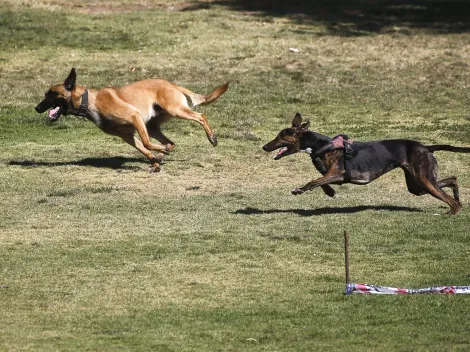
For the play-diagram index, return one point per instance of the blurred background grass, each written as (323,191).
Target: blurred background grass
(214,253)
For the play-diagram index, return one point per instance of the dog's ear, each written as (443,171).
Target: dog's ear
(69,82)
(305,125)
(297,121)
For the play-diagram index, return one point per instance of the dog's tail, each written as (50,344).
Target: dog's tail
(446,147)
(199,99)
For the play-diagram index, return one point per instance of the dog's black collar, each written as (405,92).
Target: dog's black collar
(83,108)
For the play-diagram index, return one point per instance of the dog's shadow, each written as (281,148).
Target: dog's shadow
(115,163)
(327,210)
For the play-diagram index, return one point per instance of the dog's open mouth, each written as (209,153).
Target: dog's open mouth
(282,152)
(55,113)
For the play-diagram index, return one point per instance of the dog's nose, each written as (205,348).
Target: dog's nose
(40,109)
(264,148)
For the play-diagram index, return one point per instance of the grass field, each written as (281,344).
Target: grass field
(214,253)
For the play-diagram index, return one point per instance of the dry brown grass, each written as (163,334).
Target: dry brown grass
(99,7)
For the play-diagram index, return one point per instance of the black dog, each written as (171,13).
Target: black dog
(362,162)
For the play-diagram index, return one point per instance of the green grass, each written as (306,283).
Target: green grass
(213,253)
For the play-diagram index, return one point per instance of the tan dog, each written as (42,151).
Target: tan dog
(141,106)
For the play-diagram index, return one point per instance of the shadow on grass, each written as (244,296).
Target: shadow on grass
(361,17)
(328,210)
(116,163)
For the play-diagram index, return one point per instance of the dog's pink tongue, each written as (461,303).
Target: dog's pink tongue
(53,112)
(280,152)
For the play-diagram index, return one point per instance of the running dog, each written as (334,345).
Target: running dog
(140,106)
(362,162)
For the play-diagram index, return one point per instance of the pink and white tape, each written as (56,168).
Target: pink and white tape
(382,290)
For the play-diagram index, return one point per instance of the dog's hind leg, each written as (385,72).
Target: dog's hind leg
(438,193)
(413,186)
(186,113)
(421,179)
(175,103)
(418,190)
(452,183)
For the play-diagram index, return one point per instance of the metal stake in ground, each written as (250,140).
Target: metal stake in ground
(346,255)
(349,286)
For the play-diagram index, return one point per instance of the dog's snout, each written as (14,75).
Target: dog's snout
(267,147)
(40,107)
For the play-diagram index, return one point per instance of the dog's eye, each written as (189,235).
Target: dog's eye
(51,94)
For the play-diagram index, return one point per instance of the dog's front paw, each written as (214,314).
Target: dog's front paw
(154,169)
(159,158)
(297,191)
